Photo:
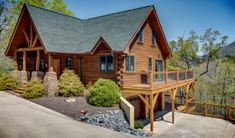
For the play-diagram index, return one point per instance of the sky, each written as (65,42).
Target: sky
(177,17)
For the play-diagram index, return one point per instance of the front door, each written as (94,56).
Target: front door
(56,66)
(158,69)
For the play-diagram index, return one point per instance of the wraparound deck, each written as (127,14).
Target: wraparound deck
(149,85)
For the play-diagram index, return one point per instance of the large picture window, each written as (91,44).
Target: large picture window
(106,63)
(130,63)
(69,63)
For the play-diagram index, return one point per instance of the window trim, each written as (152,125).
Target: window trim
(106,62)
(125,67)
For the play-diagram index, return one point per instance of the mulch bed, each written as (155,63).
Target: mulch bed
(72,109)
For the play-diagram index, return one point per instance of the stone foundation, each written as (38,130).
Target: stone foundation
(21,76)
(50,83)
(37,74)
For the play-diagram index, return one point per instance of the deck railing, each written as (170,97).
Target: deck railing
(211,110)
(153,78)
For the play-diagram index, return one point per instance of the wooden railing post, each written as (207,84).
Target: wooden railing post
(166,76)
(186,73)
(177,75)
(151,79)
(205,109)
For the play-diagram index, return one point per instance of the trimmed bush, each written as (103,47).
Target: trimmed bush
(104,93)
(34,89)
(7,82)
(70,84)
(139,125)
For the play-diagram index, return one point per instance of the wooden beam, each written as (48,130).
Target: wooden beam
(30,49)
(144,100)
(38,61)
(49,61)
(155,99)
(35,41)
(26,37)
(24,61)
(15,61)
(173,93)
(31,35)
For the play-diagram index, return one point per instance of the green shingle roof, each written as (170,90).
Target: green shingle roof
(66,34)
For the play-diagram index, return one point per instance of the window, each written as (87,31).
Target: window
(130,63)
(140,36)
(150,64)
(20,63)
(69,63)
(153,38)
(42,64)
(106,63)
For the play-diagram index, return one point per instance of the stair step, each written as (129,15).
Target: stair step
(21,88)
(18,91)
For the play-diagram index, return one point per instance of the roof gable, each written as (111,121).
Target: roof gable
(66,34)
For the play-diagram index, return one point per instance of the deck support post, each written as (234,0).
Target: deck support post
(15,61)
(186,90)
(38,61)
(151,113)
(173,93)
(24,60)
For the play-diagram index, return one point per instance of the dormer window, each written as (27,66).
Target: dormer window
(140,36)
(153,38)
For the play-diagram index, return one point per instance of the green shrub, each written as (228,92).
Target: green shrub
(7,82)
(34,89)
(104,93)
(70,84)
(139,124)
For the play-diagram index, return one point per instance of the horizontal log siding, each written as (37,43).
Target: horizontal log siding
(142,52)
(91,66)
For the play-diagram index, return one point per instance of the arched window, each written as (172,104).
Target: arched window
(69,64)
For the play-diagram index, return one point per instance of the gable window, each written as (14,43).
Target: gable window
(150,64)
(130,63)
(69,63)
(140,36)
(153,38)
(106,63)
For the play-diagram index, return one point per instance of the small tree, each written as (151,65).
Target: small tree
(104,93)
(34,89)
(70,84)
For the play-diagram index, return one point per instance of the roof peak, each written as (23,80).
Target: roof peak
(147,6)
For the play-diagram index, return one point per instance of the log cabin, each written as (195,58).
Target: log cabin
(128,47)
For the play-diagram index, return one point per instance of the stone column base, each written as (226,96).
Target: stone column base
(21,76)
(50,83)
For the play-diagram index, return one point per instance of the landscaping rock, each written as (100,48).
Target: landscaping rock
(50,83)
(112,119)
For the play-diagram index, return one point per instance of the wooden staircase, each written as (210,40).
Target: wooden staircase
(20,89)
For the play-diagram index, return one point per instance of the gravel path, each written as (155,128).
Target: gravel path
(71,109)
